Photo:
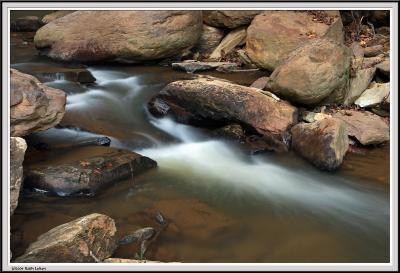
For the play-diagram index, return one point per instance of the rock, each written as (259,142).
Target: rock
(138,236)
(260,83)
(373,51)
(17,152)
(26,23)
(374,95)
(78,241)
(193,66)
(386,103)
(366,127)
(120,260)
(232,131)
(358,84)
(121,36)
(312,116)
(357,58)
(372,61)
(243,57)
(55,15)
(273,35)
(79,75)
(324,143)
(233,39)
(90,175)
(209,39)
(229,18)
(384,67)
(33,105)
(315,73)
(202,101)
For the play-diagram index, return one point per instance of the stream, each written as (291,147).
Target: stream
(223,205)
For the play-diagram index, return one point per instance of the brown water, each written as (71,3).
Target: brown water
(222,205)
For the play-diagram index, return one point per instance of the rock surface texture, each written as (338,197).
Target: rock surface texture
(229,18)
(17,152)
(273,35)
(33,105)
(324,143)
(121,36)
(77,241)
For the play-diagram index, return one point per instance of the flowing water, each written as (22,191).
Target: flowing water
(223,205)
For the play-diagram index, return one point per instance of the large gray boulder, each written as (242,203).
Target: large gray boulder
(122,36)
(316,73)
(17,152)
(33,105)
(273,35)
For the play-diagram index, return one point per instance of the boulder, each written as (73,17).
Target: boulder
(204,101)
(17,152)
(87,176)
(191,66)
(55,15)
(229,18)
(273,35)
(33,105)
(233,39)
(358,84)
(324,143)
(209,40)
(26,23)
(84,240)
(315,73)
(365,126)
(121,36)
(374,95)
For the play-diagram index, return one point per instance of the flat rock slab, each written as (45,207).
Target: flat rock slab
(78,241)
(90,175)
(374,95)
(17,152)
(324,143)
(365,126)
(193,66)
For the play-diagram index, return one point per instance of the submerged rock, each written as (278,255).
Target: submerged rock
(324,143)
(84,240)
(203,101)
(138,236)
(229,18)
(26,23)
(121,36)
(55,15)
(273,35)
(192,66)
(315,73)
(233,39)
(33,105)
(17,152)
(374,95)
(90,175)
(209,39)
(365,126)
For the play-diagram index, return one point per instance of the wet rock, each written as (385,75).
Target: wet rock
(374,95)
(26,23)
(233,39)
(83,240)
(373,51)
(90,175)
(120,260)
(384,67)
(55,15)
(324,143)
(232,131)
(192,66)
(33,105)
(100,141)
(69,74)
(17,152)
(138,236)
(315,73)
(229,18)
(209,39)
(273,35)
(260,83)
(121,36)
(358,84)
(203,101)
(365,126)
